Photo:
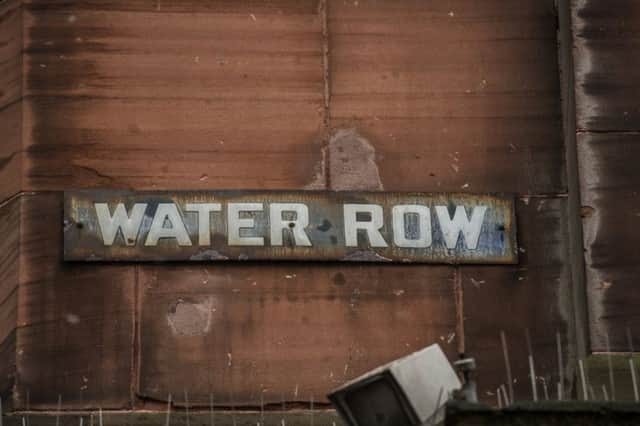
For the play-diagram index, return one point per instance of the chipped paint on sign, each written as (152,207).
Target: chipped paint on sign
(298,225)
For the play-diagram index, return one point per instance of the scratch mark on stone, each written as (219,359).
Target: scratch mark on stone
(4,161)
(365,256)
(95,172)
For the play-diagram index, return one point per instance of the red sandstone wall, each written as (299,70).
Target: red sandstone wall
(404,96)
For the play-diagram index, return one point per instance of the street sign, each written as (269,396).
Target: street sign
(289,225)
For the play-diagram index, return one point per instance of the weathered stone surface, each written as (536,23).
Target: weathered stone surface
(75,322)
(9,276)
(446,96)
(606,47)
(534,295)
(148,95)
(252,332)
(10,97)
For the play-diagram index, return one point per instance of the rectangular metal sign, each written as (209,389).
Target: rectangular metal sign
(295,225)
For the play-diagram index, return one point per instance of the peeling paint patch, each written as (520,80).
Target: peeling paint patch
(477,283)
(72,319)
(351,164)
(209,255)
(186,318)
(605,285)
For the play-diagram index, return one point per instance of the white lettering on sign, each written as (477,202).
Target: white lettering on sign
(410,224)
(399,216)
(167,213)
(235,223)
(120,221)
(371,227)
(451,228)
(295,226)
(204,211)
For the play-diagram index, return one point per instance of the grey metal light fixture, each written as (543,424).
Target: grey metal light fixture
(410,391)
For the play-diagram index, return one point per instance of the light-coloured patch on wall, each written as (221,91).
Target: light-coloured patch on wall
(587,106)
(352,164)
(319,181)
(189,318)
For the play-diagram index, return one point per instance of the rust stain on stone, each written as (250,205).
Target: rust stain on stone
(586,211)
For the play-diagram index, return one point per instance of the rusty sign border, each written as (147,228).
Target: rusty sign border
(83,241)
